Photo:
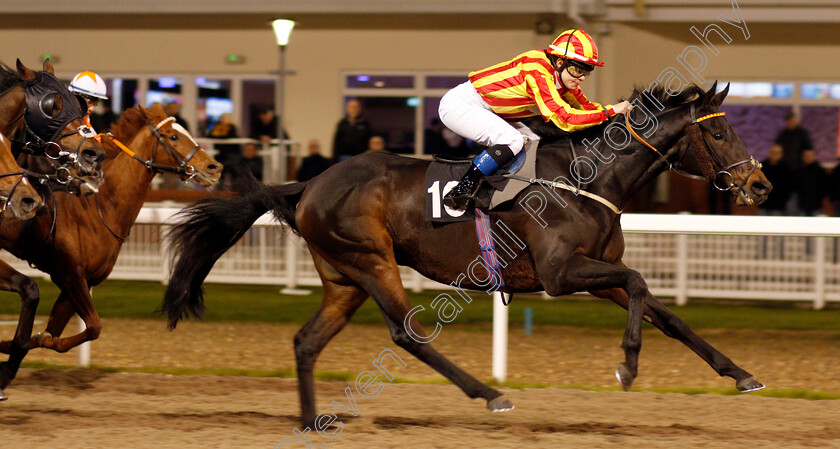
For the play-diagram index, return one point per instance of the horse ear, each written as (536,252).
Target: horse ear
(157,109)
(48,66)
(717,100)
(24,72)
(709,96)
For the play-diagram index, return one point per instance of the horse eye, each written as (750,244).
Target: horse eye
(718,136)
(174,138)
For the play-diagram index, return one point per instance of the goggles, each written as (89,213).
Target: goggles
(577,72)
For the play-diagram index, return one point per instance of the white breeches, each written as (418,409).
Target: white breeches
(464,111)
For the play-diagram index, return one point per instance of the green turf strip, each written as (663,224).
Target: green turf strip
(255,303)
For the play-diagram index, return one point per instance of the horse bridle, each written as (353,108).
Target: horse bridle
(8,200)
(183,168)
(707,158)
(39,147)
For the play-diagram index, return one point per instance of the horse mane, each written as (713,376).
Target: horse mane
(132,120)
(9,77)
(648,98)
(664,97)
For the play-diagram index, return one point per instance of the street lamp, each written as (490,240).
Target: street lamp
(282,31)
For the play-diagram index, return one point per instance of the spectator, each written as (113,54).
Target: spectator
(433,138)
(173,109)
(780,175)
(314,164)
(227,154)
(445,142)
(248,163)
(103,116)
(811,183)
(352,133)
(834,189)
(264,127)
(376,144)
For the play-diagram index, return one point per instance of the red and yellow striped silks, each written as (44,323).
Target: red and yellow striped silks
(526,87)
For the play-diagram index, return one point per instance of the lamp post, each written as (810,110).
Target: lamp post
(282,32)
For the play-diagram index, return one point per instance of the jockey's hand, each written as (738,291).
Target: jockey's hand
(621,108)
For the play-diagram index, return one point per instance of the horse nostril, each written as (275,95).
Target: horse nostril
(91,155)
(28,203)
(760,188)
(212,168)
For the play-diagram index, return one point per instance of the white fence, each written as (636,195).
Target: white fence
(681,256)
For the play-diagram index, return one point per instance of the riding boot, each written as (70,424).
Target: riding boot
(462,195)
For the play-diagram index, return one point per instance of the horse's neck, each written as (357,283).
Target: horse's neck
(126,183)
(11,108)
(618,178)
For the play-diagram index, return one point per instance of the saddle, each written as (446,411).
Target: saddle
(445,172)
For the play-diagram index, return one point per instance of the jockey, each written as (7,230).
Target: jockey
(488,107)
(92,88)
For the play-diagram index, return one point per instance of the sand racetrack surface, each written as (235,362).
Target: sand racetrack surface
(94,409)
(85,409)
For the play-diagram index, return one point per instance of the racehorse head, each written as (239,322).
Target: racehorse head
(18,199)
(53,127)
(708,146)
(172,148)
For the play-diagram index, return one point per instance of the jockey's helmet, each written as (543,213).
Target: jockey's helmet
(576,46)
(90,85)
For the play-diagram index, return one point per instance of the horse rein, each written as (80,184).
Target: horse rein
(705,156)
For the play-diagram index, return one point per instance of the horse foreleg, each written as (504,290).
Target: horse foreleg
(12,280)
(671,325)
(74,297)
(584,274)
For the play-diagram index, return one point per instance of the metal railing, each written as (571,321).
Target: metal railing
(680,256)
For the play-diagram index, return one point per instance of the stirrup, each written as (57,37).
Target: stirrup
(460,202)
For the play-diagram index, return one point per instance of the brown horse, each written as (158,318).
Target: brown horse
(90,230)
(19,199)
(41,117)
(363,218)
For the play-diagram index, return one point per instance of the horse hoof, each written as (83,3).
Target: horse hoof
(500,404)
(3,396)
(749,384)
(38,340)
(625,378)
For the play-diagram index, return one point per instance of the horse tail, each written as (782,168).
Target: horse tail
(210,228)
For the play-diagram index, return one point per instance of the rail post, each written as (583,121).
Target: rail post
(500,338)
(819,272)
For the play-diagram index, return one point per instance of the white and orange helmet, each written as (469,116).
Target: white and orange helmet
(89,84)
(576,45)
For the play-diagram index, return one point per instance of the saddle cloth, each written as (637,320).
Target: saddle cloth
(443,175)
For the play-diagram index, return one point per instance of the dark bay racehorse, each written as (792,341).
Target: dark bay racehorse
(90,230)
(363,218)
(41,117)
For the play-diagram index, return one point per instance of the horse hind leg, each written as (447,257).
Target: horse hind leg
(18,347)
(385,286)
(341,300)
